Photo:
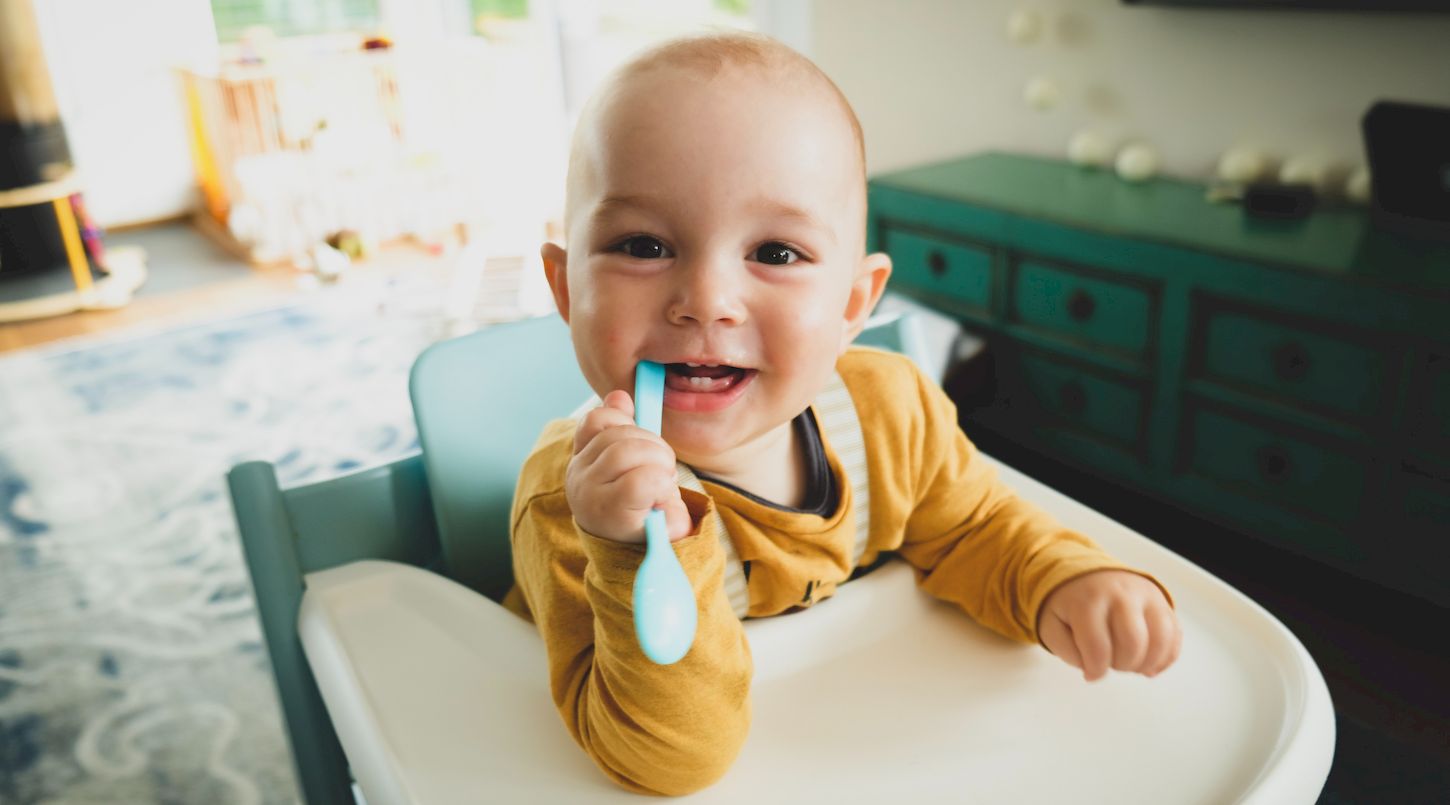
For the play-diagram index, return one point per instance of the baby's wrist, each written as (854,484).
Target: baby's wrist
(602,531)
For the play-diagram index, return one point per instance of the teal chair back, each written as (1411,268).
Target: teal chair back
(480,402)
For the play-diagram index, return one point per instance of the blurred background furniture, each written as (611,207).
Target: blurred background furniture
(302,143)
(1289,380)
(51,257)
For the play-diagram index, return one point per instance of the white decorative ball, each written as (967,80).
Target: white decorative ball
(328,262)
(1298,169)
(1042,93)
(1088,147)
(1024,27)
(1312,170)
(1137,162)
(1243,165)
(246,223)
(1358,187)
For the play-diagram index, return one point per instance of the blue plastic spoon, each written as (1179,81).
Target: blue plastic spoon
(664,601)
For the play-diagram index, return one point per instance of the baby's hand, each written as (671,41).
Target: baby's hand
(619,472)
(1110,618)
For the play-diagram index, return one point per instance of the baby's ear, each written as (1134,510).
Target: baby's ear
(866,291)
(556,262)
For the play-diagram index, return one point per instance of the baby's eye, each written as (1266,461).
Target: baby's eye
(776,254)
(643,247)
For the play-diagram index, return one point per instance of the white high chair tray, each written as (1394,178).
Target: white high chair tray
(878,694)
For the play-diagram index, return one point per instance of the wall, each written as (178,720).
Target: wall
(111,63)
(932,79)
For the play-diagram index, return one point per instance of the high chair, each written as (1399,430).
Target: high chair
(396,668)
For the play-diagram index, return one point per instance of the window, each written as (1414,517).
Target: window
(507,9)
(296,17)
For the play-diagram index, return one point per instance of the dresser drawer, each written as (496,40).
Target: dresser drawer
(943,269)
(1427,509)
(1419,555)
(1298,363)
(1082,309)
(1083,399)
(1432,401)
(1260,460)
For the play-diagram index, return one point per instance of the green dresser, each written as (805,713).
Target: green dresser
(1288,379)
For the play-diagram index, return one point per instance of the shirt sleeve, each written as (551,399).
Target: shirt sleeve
(977,544)
(660,729)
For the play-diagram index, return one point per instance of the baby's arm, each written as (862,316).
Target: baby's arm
(1016,570)
(651,728)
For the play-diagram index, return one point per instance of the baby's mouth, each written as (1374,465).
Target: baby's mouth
(703,379)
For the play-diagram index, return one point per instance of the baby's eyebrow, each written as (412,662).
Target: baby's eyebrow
(763,205)
(779,209)
(611,205)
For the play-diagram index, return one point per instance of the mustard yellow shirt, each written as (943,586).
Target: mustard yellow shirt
(933,501)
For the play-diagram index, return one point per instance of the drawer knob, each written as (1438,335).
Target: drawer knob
(1073,397)
(1080,305)
(1291,361)
(1274,464)
(937,262)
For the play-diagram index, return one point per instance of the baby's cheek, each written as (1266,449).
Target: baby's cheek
(604,355)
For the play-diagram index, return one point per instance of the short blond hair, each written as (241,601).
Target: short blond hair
(709,55)
(712,53)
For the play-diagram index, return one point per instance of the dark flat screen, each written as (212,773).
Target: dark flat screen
(1304,5)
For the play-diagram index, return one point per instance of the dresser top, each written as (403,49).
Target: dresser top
(1339,241)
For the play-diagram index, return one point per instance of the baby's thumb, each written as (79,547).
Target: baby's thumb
(619,400)
(678,520)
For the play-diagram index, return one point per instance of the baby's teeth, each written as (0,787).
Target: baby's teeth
(700,381)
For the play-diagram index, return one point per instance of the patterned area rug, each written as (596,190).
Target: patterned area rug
(131,662)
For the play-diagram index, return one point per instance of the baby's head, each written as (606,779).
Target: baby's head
(716,215)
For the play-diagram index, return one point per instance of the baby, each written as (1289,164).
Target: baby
(715,223)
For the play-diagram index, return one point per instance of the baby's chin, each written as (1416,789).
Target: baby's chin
(699,453)
(714,450)
(697,440)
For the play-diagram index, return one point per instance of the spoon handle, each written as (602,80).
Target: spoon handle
(664,601)
(649,396)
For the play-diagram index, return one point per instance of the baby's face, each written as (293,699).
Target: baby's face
(717,229)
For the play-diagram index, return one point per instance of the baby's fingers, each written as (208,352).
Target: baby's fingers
(1167,639)
(1094,642)
(619,451)
(618,409)
(1057,637)
(1130,636)
(678,518)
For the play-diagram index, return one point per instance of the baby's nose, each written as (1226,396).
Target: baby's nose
(708,292)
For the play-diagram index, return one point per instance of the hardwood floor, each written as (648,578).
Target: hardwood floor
(211,300)
(190,278)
